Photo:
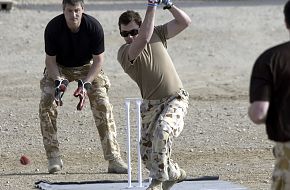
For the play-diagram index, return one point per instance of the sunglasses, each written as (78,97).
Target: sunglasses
(133,32)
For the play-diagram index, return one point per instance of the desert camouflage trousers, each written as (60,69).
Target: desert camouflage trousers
(281,173)
(101,108)
(162,120)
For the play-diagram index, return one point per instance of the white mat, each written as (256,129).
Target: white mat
(190,184)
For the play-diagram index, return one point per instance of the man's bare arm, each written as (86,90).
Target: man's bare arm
(51,67)
(145,33)
(179,23)
(95,68)
(258,111)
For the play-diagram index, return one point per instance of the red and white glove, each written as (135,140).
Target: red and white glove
(60,86)
(81,92)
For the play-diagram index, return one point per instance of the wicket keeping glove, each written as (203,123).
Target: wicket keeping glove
(81,92)
(60,86)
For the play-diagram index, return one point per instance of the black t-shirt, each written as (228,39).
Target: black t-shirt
(270,81)
(74,49)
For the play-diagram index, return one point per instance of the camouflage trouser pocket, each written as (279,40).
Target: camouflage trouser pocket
(101,81)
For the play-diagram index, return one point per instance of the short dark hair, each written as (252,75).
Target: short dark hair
(128,16)
(287,13)
(72,2)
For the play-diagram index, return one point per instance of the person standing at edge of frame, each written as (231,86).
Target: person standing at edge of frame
(145,59)
(270,103)
(74,46)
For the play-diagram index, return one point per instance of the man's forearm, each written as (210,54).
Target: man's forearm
(145,33)
(95,68)
(52,69)
(93,73)
(257,111)
(147,27)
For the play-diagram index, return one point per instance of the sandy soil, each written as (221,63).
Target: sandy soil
(214,58)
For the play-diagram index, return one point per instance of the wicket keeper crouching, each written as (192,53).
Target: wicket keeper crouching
(74,47)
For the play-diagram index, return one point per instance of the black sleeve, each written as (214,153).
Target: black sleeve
(261,79)
(49,40)
(98,44)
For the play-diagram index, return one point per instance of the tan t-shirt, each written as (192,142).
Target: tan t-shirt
(152,70)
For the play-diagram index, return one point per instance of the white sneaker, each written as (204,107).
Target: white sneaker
(54,164)
(168,184)
(155,185)
(117,166)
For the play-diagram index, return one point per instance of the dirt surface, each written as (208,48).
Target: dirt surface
(214,58)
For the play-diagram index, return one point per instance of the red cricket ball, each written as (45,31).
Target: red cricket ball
(24,160)
(62,87)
